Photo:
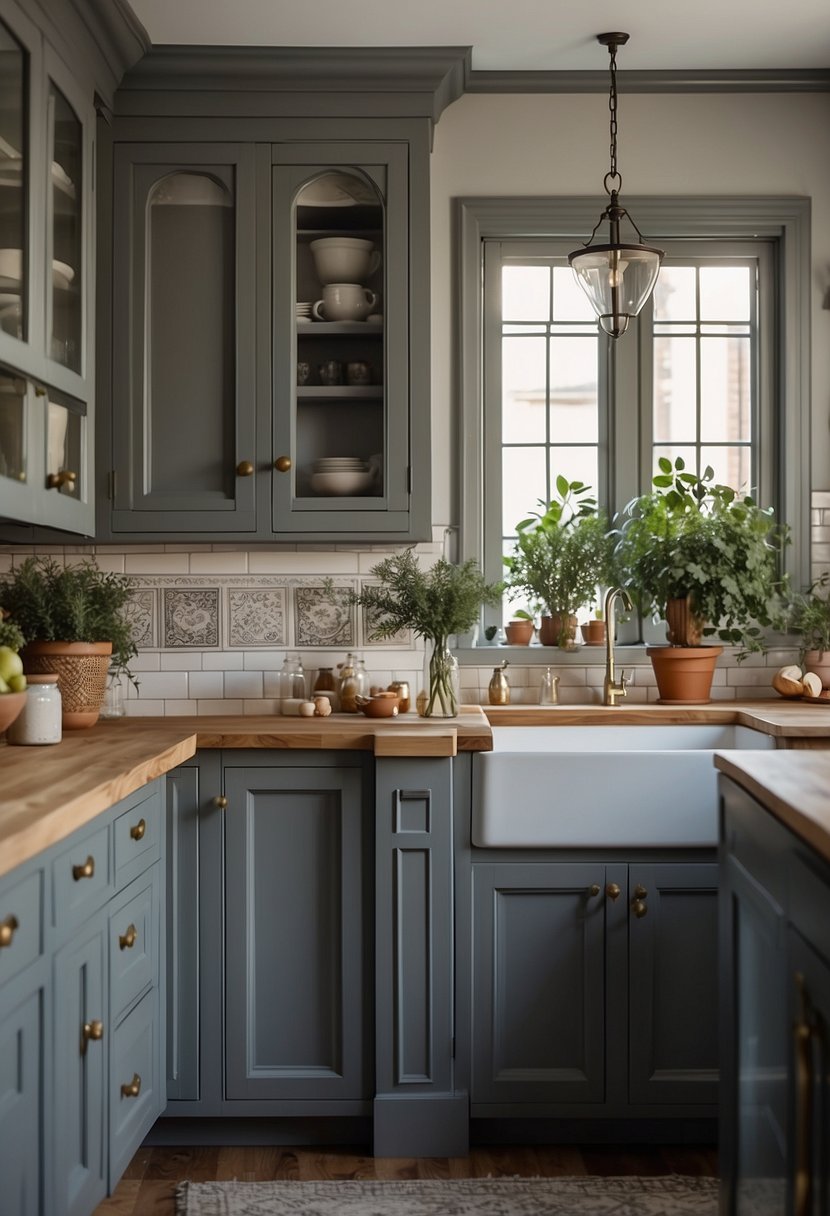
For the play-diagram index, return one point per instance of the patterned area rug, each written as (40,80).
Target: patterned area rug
(666,1196)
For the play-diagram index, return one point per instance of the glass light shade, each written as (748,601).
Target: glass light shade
(617,279)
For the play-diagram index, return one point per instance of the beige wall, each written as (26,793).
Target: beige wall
(771,144)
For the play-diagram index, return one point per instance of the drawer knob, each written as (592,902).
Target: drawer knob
(221,801)
(127,940)
(640,892)
(138,829)
(92,1032)
(612,890)
(133,1089)
(282,464)
(639,908)
(7,928)
(593,889)
(244,468)
(85,871)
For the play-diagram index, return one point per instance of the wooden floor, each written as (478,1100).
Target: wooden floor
(148,1186)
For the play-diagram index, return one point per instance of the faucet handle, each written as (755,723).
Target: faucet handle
(625,680)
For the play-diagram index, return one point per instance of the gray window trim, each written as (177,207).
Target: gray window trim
(785,221)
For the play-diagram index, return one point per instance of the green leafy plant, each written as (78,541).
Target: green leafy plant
(52,603)
(807,613)
(562,554)
(691,538)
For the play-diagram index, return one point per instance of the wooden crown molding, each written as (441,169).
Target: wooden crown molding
(812,80)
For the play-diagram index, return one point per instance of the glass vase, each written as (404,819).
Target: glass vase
(439,696)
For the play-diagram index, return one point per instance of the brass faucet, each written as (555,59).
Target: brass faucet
(611,691)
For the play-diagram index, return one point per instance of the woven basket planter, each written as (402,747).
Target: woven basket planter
(82,668)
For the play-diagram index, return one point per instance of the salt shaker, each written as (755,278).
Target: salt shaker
(40,719)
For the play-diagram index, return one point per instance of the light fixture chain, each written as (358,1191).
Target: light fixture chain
(613,179)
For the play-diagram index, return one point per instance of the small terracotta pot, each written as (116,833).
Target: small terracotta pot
(551,629)
(593,633)
(82,667)
(518,633)
(684,673)
(819,662)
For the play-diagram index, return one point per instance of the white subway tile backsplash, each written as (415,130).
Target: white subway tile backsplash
(206,685)
(206,708)
(183,709)
(144,709)
(263,706)
(157,563)
(181,661)
(162,685)
(303,563)
(243,684)
(145,661)
(219,563)
(223,660)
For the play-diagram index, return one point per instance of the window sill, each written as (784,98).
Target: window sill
(548,656)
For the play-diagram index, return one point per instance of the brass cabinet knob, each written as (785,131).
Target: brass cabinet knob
(244,468)
(127,940)
(138,829)
(640,892)
(594,889)
(612,891)
(7,929)
(85,871)
(56,481)
(639,908)
(221,801)
(92,1032)
(133,1089)
(282,464)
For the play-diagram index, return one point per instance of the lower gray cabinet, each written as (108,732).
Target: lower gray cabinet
(21,1082)
(594,988)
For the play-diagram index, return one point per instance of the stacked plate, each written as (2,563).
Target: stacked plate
(340,475)
(303,310)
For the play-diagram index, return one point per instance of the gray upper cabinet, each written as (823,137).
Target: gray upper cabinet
(47,270)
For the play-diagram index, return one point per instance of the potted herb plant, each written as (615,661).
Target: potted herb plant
(520,629)
(73,622)
(560,557)
(705,559)
(807,614)
(435,604)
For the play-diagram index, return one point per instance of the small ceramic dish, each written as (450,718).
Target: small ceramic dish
(381,705)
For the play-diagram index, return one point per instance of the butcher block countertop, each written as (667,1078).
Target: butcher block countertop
(795,789)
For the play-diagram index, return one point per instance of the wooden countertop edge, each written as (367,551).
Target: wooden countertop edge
(778,717)
(812,828)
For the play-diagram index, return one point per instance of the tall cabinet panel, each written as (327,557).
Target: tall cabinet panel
(184,339)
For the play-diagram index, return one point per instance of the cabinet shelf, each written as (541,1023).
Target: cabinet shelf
(345,392)
(328,329)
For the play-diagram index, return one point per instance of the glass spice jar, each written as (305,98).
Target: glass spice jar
(40,719)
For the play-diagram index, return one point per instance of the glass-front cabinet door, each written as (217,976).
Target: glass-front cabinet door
(341,339)
(184,389)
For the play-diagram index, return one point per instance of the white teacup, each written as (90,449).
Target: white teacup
(344,302)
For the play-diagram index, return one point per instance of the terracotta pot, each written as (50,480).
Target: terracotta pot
(684,673)
(593,633)
(819,662)
(519,633)
(557,630)
(82,667)
(683,627)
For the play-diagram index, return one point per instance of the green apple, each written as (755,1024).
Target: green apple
(11,664)
(17,683)
(3,686)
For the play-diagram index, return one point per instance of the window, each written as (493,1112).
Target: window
(707,373)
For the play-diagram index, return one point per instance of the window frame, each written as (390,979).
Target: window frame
(783,222)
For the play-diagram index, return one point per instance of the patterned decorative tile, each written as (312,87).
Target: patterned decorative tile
(191,617)
(402,640)
(323,617)
(257,617)
(140,611)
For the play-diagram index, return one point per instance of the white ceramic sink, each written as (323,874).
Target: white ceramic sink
(602,786)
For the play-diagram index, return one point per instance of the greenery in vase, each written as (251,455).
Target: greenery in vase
(434,603)
(691,538)
(807,613)
(52,603)
(563,554)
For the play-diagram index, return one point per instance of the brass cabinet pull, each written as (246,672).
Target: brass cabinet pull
(85,871)
(613,891)
(92,1032)
(594,889)
(639,908)
(56,481)
(138,829)
(244,468)
(640,892)
(7,929)
(133,1089)
(803,1035)
(282,464)
(127,940)
(221,801)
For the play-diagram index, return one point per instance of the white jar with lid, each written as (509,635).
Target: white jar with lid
(40,718)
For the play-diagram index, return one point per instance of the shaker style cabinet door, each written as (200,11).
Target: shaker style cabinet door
(343,365)
(184,391)
(21,1082)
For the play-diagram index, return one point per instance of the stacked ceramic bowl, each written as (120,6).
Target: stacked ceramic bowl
(303,308)
(340,475)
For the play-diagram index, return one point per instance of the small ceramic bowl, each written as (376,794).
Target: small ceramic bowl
(381,705)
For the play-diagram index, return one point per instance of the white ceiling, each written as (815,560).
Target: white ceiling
(554,35)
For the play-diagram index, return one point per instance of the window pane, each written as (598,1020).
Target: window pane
(525,293)
(524,390)
(675,389)
(732,466)
(724,293)
(570,302)
(725,389)
(577,464)
(523,485)
(672,451)
(674,294)
(574,404)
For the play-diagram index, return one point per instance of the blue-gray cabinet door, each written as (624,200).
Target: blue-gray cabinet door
(673,982)
(538,983)
(184,343)
(298,994)
(80,1050)
(183,1022)
(21,1087)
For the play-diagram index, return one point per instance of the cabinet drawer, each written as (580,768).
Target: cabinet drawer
(21,924)
(81,878)
(137,837)
(135,1090)
(133,942)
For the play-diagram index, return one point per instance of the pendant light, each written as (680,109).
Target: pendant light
(618,277)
